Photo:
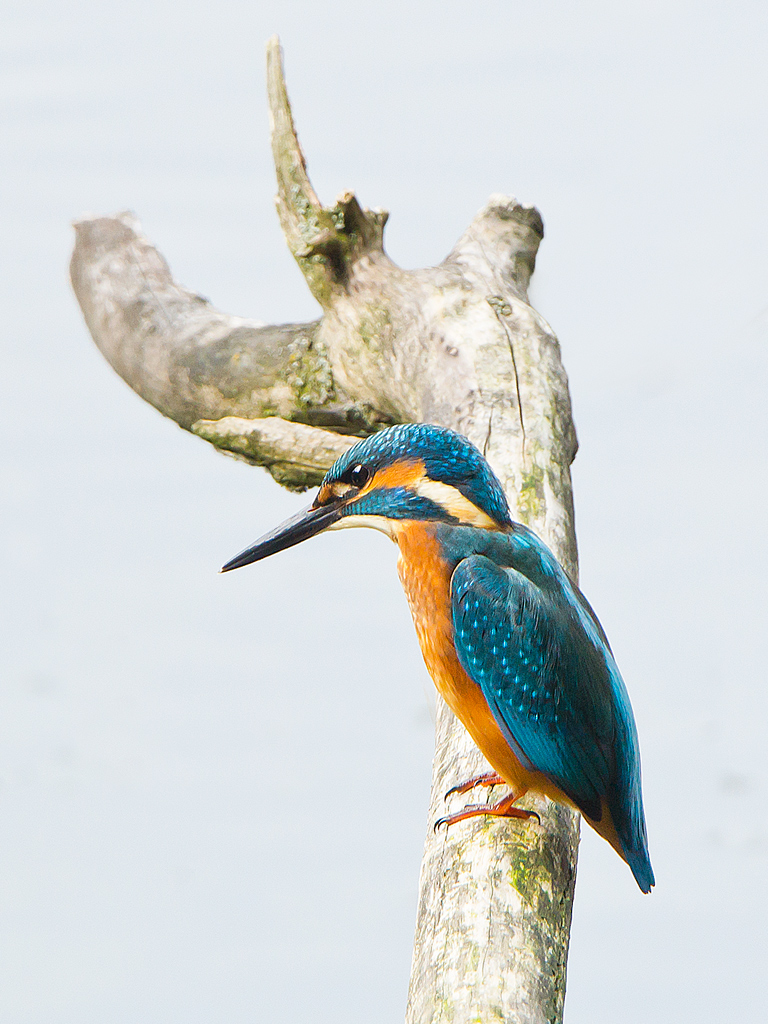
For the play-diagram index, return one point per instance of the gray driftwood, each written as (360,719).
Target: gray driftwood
(458,345)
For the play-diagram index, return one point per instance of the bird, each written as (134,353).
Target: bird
(512,644)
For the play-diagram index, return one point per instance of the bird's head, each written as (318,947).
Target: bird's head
(411,472)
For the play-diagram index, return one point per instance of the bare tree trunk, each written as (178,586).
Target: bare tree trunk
(457,345)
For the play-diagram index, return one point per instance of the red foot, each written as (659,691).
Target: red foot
(487,779)
(503,809)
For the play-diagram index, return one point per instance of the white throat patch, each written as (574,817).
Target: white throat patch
(380,523)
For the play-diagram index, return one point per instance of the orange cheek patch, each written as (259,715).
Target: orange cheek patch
(402,474)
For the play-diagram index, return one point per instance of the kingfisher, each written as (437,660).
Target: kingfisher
(512,644)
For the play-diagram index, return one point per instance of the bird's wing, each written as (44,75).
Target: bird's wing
(545,679)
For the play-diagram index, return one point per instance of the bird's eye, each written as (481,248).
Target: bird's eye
(359,476)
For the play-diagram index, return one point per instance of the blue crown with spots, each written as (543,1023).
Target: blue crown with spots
(448,458)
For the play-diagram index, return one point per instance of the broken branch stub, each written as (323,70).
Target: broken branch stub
(457,345)
(324,241)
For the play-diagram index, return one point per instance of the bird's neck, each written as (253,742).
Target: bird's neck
(424,570)
(425,574)
(429,553)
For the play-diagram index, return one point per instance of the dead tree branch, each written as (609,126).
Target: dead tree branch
(457,345)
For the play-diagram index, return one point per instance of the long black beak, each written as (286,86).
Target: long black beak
(300,527)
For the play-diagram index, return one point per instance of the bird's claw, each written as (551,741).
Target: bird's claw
(503,809)
(487,779)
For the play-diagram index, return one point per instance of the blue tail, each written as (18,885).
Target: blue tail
(640,864)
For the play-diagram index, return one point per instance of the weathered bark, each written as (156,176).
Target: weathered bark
(457,345)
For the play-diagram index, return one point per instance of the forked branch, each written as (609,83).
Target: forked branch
(324,241)
(458,345)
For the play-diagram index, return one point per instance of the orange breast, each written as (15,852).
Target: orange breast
(426,579)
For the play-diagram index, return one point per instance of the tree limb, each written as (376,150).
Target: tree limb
(188,359)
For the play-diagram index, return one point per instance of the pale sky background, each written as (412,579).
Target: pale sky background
(169,737)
